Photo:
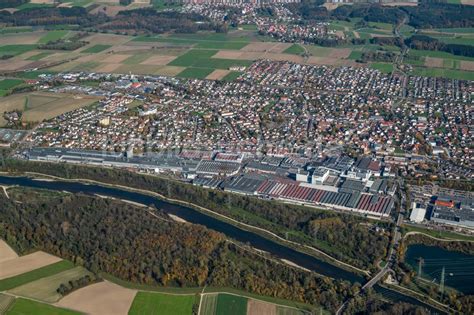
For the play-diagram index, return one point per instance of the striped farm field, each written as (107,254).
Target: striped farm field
(208,304)
(44,289)
(162,304)
(24,278)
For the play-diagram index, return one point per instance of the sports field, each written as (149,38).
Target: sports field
(26,307)
(162,304)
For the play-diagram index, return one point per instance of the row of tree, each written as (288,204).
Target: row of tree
(73,285)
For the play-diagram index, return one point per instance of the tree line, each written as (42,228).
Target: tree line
(424,15)
(423,42)
(144,20)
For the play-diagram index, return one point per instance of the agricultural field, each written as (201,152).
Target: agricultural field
(44,289)
(446,73)
(24,307)
(162,304)
(96,49)
(223,304)
(5,302)
(39,106)
(34,271)
(6,252)
(104,298)
(232,76)
(53,36)
(7,84)
(382,66)
(295,49)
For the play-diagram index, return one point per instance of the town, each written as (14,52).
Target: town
(320,136)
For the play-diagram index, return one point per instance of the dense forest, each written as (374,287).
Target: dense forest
(346,237)
(429,43)
(384,56)
(11,3)
(106,235)
(425,15)
(146,20)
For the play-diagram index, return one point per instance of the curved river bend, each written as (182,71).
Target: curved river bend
(196,217)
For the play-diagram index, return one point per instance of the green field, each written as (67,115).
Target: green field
(198,58)
(33,74)
(15,50)
(27,6)
(16,281)
(445,73)
(232,76)
(15,29)
(44,289)
(466,30)
(96,49)
(228,304)
(220,45)
(200,40)
(7,84)
(52,36)
(195,73)
(39,56)
(355,55)
(162,304)
(382,66)
(437,54)
(29,307)
(294,49)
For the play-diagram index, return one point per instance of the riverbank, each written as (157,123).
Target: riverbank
(263,232)
(253,240)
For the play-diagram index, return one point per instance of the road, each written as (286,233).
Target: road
(390,261)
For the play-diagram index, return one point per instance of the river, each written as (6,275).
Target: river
(459,267)
(193,216)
